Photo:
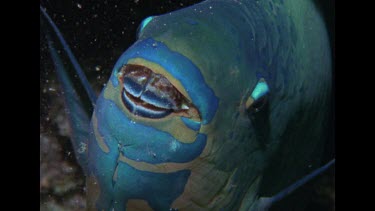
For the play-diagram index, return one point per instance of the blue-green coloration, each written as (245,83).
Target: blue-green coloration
(168,130)
(194,125)
(144,24)
(260,90)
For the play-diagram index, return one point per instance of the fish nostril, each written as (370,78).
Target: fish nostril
(151,95)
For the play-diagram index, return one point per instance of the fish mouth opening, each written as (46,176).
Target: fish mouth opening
(151,95)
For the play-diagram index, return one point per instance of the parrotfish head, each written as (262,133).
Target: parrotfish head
(190,121)
(149,122)
(166,125)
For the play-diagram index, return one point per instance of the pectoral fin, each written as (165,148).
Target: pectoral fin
(265,203)
(77,115)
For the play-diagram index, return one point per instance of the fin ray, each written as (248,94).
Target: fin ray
(90,92)
(266,202)
(77,115)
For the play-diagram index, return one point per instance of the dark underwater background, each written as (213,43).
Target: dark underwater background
(98,32)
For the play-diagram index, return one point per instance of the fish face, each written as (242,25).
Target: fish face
(147,126)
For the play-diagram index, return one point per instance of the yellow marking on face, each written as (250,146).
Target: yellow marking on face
(99,139)
(225,194)
(138,205)
(156,68)
(157,168)
(249,102)
(171,124)
(115,174)
(93,191)
(203,187)
(251,195)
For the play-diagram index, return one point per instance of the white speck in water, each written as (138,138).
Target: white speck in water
(98,68)
(51,89)
(154,44)
(79,5)
(210,7)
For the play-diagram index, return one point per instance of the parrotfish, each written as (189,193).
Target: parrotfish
(217,106)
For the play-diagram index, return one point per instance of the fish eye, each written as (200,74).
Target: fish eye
(258,104)
(258,97)
(151,95)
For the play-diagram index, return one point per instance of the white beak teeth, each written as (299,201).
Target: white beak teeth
(185,107)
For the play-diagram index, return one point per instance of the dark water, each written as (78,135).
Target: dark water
(98,32)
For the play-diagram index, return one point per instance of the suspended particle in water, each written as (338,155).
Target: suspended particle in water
(98,68)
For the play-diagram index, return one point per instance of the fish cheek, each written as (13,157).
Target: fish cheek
(261,122)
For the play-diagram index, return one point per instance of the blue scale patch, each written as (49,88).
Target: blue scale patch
(191,123)
(179,67)
(158,189)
